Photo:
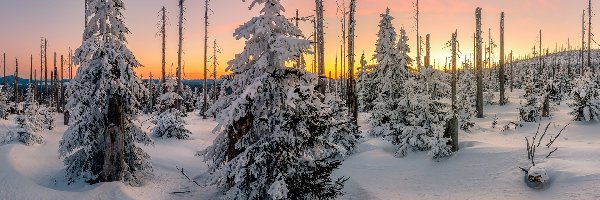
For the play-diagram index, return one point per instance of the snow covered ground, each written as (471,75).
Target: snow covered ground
(486,167)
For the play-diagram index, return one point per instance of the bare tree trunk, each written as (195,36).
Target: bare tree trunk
(589,56)
(4,76)
(46,67)
(114,141)
(179,54)
(501,73)
(581,69)
(16,86)
(512,77)
(427,51)
(151,89)
(343,72)
(479,102)
(352,96)
(418,36)
(70,65)
(215,71)
(55,83)
(452,131)
(546,98)
(314,61)
(321,47)
(62,90)
(31,69)
(205,85)
(163,34)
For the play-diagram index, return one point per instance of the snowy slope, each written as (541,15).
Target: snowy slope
(486,167)
(35,172)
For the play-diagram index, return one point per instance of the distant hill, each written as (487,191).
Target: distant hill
(11,80)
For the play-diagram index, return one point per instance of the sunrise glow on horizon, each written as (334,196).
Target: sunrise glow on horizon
(23,22)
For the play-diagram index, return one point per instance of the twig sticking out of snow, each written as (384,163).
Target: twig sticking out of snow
(545,130)
(186,176)
(551,152)
(554,139)
(531,146)
(525,170)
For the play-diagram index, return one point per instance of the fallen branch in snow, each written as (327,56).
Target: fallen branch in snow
(186,176)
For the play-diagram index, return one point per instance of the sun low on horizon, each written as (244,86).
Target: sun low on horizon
(61,22)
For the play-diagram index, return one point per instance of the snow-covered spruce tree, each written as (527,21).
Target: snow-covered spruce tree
(34,117)
(169,122)
(273,128)
(586,104)
(390,75)
(425,122)
(189,99)
(490,87)
(365,87)
(30,121)
(530,109)
(3,105)
(344,137)
(466,99)
(100,145)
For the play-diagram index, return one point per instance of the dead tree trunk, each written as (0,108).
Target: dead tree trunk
(352,96)
(62,90)
(427,51)
(163,34)
(205,85)
(55,83)
(512,77)
(114,140)
(546,97)
(179,54)
(589,47)
(321,47)
(4,75)
(501,71)
(452,131)
(31,69)
(215,72)
(46,67)
(343,73)
(479,100)
(16,86)
(418,36)
(581,59)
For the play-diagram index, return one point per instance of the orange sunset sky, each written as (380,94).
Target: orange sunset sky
(23,22)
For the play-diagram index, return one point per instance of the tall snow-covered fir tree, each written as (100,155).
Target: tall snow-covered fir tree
(466,98)
(408,111)
(586,96)
(100,145)
(274,131)
(367,90)
(391,73)
(169,122)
